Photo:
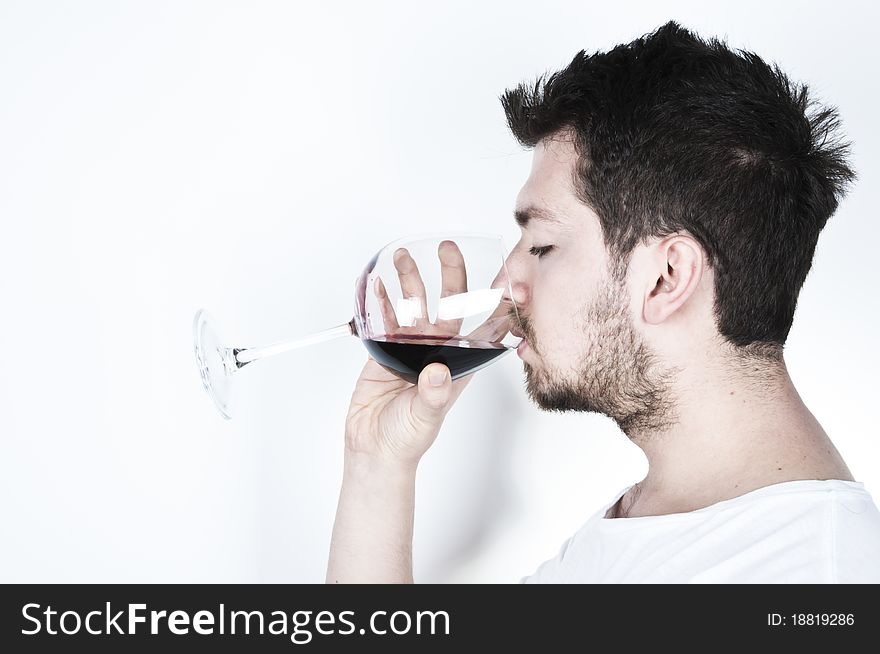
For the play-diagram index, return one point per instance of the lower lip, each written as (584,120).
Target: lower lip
(523,344)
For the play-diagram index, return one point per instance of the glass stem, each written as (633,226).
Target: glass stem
(247,354)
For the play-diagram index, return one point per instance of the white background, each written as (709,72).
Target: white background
(250,157)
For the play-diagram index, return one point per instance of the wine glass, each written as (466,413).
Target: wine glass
(420,300)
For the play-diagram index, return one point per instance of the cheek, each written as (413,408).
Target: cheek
(557,322)
(562,287)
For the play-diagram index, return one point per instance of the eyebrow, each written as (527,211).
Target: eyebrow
(523,215)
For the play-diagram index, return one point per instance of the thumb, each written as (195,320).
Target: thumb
(431,401)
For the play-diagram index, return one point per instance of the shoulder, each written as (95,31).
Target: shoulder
(854,538)
(806,531)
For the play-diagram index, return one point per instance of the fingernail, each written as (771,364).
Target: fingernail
(437,378)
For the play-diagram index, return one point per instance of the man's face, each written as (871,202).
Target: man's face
(584,350)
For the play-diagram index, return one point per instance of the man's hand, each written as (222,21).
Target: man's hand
(390,425)
(392,422)
(389,418)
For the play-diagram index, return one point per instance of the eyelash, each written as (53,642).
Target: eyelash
(540,251)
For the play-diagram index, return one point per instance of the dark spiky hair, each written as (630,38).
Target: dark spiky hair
(676,133)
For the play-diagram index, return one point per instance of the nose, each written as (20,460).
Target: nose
(520,294)
(514,288)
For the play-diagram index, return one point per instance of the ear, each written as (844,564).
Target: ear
(675,272)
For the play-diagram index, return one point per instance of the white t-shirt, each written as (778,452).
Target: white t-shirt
(803,531)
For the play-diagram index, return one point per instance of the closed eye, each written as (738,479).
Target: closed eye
(540,251)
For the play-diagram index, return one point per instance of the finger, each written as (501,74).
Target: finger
(430,404)
(411,280)
(435,401)
(453,275)
(389,318)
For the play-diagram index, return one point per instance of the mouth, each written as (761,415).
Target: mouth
(523,344)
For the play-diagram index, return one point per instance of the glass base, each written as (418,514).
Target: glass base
(216,361)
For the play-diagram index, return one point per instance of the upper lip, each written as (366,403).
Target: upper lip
(516,332)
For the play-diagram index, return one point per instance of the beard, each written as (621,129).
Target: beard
(618,375)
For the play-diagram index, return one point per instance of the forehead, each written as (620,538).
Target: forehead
(548,196)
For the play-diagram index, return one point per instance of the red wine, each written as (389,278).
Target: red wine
(406,356)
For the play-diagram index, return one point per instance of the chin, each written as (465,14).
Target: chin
(557,396)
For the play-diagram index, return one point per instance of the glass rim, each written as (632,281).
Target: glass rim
(424,236)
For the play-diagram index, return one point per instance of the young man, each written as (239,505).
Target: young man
(676,195)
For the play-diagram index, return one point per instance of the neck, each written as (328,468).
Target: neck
(739,424)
